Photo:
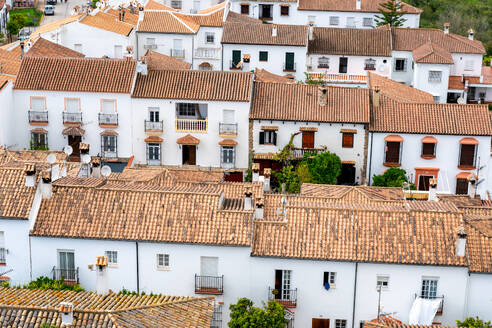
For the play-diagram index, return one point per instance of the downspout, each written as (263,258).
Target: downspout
(192,51)
(30,258)
(138,274)
(355,293)
(136,44)
(370,160)
(222,57)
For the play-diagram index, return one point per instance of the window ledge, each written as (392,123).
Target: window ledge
(163,268)
(347,146)
(112,265)
(465,167)
(391,164)
(369,69)
(290,70)
(428,156)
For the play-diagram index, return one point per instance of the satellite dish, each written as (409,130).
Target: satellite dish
(86,159)
(98,4)
(51,158)
(105,171)
(68,150)
(461,101)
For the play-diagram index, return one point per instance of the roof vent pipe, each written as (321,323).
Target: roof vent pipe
(46,191)
(446,28)
(461,242)
(267,173)
(248,199)
(358,4)
(259,211)
(274,30)
(256,172)
(66,311)
(30,172)
(432,190)
(322,96)
(311,31)
(471,34)
(375,96)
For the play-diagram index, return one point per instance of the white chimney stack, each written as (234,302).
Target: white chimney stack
(322,96)
(274,30)
(256,171)
(358,4)
(46,191)
(30,172)
(259,209)
(142,67)
(66,311)
(267,173)
(375,96)
(472,185)
(102,281)
(461,243)
(446,28)
(471,34)
(248,199)
(96,168)
(140,14)
(311,31)
(432,190)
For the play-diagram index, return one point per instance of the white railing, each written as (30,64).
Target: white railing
(207,53)
(187,125)
(177,53)
(150,46)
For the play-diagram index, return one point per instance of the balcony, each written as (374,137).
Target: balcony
(154,126)
(3,258)
(207,53)
(236,65)
(70,118)
(210,285)
(441,305)
(189,125)
(228,129)
(285,297)
(298,152)
(290,67)
(150,46)
(179,53)
(38,116)
(69,276)
(108,119)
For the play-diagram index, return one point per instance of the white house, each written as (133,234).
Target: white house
(192,117)
(3,17)
(6,100)
(190,6)
(324,13)
(330,119)
(280,49)
(66,101)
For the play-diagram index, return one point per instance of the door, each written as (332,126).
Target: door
(347,176)
(424,182)
(209,272)
(320,323)
(342,65)
(66,264)
(74,142)
(289,61)
(236,57)
(282,284)
(308,139)
(178,48)
(189,155)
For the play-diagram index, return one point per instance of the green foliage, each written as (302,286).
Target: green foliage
(323,168)
(245,315)
(310,80)
(487,60)
(125,291)
(285,156)
(46,283)
(28,16)
(6,284)
(390,13)
(2,37)
(393,177)
(473,323)
(13,27)
(35,146)
(289,176)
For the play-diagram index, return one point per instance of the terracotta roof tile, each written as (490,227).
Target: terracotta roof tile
(299,102)
(261,34)
(214,19)
(129,17)
(398,91)
(366,6)
(233,17)
(15,198)
(385,323)
(392,116)
(479,243)
(45,28)
(188,140)
(487,74)
(45,48)
(262,75)
(431,53)
(76,74)
(156,5)
(219,6)
(166,22)
(197,85)
(357,194)
(158,61)
(9,62)
(108,22)
(363,42)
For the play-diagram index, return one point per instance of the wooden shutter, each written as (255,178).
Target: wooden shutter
(424,182)
(289,61)
(467,155)
(274,141)
(307,139)
(320,323)
(392,152)
(236,56)
(347,140)
(461,186)
(262,137)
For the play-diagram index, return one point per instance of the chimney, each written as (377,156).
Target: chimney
(461,242)
(311,31)
(122,15)
(446,28)
(140,14)
(46,191)
(30,171)
(472,185)
(259,209)
(256,171)
(471,34)
(322,96)
(129,52)
(375,96)
(267,174)
(84,148)
(432,190)
(248,199)
(274,30)
(102,281)
(142,67)
(96,168)
(22,49)
(66,311)
(358,4)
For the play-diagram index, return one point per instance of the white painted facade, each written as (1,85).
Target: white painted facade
(432,78)
(447,153)
(479,298)
(190,6)
(276,58)
(6,112)
(355,65)
(17,256)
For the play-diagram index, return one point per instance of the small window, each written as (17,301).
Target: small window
(370,64)
(3,259)
(400,65)
(210,37)
(351,22)
(112,257)
(435,76)
(263,55)
(153,114)
(334,20)
(245,9)
(108,106)
(467,155)
(429,288)
(187,109)
(382,282)
(284,10)
(118,51)
(72,105)
(39,141)
(342,65)
(77,47)
(367,21)
(268,137)
(176,4)
(461,186)
(227,156)
(428,149)
(392,155)
(323,62)
(108,146)
(437,99)
(153,153)
(150,43)
(38,103)
(340,323)
(347,140)
(329,279)
(163,261)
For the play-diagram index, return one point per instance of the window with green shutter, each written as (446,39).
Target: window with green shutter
(263,55)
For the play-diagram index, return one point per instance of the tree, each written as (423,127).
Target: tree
(15,24)
(245,315)
(324,168)
(390,13)
(393,177)
(473,323)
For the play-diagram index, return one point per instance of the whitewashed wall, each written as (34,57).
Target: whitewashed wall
(16,235)
(479,301)
(188,6)
(214,56)
(165,44)
(437,89)
(406,76)
(460,61)
(6,112)
(356,64)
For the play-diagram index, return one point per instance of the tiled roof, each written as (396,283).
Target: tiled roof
(108,22)
(15,198)
(363,42)
(166,22)
(156,5)
(458,82)
(4,80)
(479,243)
(76,74)
(338,78)
(45,48)
(214,19)
(299,102)
(30,307)
(430,53)
(9,62)
(233,17)
(398,91)
(262,75)
(53,26)
(129,17)
(350,6)
(287,35)
(197,85)
(158,61)
(188,140)
(398,324)
(487,74)
(359,194)
(408,39)
(219,6)
(392,116)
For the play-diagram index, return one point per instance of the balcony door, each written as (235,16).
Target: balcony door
(307,139)
(66,265)
(74,142)
(283,284)
(289,61)
(189,155)
(209,266)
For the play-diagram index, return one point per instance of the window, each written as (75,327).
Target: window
(323,62)
(342,65)
(227,156)
(307,139)
(108,106)
(283,279)
(77,47)
(3,259)
(176,4)
(236,58)
(340,323)
(150,43)
(108,146)
(429,288)
(38,103)
(469,65)
(72,105)
(400,65)
(461,186)
(39,140)
(177,50)
(334,20)
(210,37)
(118,51)
(112,257)
(437,99)
(265,12)
(435,76)
(382,282)
(154,153)
(370,64)
(392,152)
(268,137)
(428,149)
(154,114)
(351,22)
(290,64)
(162,261)
(320,323)
(245,9)
(329,279)
(367,21)
(187,109)
(209,266)
(217,317)
(263,55)
(467,155)
(347,140)
(284,10)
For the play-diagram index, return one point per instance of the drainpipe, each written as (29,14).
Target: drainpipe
(355,294)
(30,259)
(192,52)
(138,274)
(370,159)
